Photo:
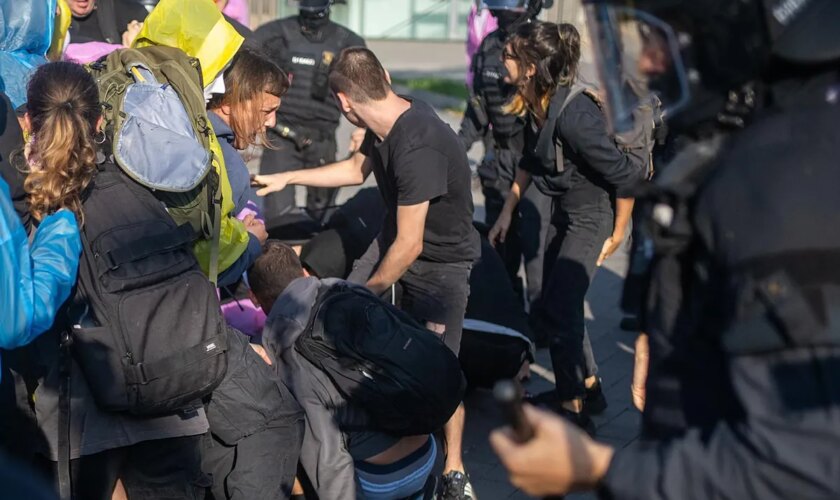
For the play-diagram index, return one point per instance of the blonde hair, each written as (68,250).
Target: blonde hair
(554,51)
(63,109)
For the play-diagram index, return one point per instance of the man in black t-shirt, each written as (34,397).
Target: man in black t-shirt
(428,242)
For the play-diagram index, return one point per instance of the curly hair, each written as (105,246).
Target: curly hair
(63,110)
(554,52)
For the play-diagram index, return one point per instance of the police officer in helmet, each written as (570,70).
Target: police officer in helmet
(485,116)
(743,253)
(304,46)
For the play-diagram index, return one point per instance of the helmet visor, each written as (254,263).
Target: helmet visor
(514,5)
(636,55)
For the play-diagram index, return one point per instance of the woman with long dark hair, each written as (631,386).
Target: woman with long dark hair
(254,86)
(571,157)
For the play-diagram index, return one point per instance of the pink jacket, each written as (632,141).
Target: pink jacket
(479,25)
(238,9)
(84,53)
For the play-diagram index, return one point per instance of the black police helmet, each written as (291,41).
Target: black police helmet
(513,13)
(692,52)
(314,8)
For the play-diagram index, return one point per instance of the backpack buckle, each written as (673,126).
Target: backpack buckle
(141,371)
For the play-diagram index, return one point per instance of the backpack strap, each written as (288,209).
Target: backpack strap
(65,486)
(549,148)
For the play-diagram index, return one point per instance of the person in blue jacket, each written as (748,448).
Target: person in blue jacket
(37,277)
(240,116)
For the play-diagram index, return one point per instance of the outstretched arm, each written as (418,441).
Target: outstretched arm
(350,172)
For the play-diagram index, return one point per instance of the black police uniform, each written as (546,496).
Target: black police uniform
(304,48)
(743,313)
(530,223)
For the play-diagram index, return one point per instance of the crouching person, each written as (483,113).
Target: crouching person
(336,345)
(256,428)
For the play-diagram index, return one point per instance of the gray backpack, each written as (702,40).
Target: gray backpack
(637,142)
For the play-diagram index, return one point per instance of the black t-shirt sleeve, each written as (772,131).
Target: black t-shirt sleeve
(368,147)
(421,175)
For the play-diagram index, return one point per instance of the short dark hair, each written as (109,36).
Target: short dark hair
(359,74)
(272,272)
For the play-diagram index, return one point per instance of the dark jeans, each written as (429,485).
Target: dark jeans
(430,291)
(163,469)
(581,224)
(260,466)
(256,429)
(527,234)
(287,158)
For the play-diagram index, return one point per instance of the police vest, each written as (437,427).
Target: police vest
(308,102)
(722,284)
(489,84)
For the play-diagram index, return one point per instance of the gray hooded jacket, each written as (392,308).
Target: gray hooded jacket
(329,444)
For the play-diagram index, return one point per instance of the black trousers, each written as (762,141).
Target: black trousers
(580,226)
(260,466)
(287,158)
(162,469)
(435,292)
(526,239)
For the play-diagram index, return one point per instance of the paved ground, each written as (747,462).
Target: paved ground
(613,348)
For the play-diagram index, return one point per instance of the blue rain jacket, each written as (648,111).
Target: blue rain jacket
(35,279)
(26,29)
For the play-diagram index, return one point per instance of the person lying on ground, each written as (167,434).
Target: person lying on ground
(343,454)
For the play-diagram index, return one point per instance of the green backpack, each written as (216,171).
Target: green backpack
(157,126)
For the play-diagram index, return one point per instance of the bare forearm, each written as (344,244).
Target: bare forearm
(623,213)
(519,186)
(342,173)
(396,262)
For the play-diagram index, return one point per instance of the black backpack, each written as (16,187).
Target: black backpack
(152,339)
(379,358)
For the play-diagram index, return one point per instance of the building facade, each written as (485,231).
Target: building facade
(421,20)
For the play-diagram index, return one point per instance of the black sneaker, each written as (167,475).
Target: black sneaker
(630,324)
(550,401)
(543,399)
(456,486)
(594,403)
(581,419)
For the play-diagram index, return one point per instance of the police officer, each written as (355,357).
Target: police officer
(743,399)
(485,115)
(304,46)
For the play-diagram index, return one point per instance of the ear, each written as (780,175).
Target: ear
(225,109)
(99,122)
(306,273)
(530,71)
(388,76)
(344,101)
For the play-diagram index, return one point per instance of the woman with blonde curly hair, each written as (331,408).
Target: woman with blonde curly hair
(63,118)
(153,456)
